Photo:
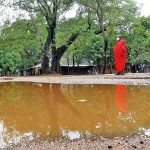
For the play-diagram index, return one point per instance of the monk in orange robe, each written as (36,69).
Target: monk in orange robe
(120,55)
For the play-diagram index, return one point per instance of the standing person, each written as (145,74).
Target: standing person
(120,54)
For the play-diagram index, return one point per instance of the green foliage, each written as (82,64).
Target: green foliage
(66,28)
(138,41)
(93,48)
(22,41)
(19,46)
(87,47)
(9,59)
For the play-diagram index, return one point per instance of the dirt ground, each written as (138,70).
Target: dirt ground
(140,142)
(118,143)
(128,79)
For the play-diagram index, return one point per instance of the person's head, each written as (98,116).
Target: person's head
(119,37)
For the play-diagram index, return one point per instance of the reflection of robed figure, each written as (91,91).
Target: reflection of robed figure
(120,54)
(121,98)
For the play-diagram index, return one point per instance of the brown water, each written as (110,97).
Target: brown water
(31,111)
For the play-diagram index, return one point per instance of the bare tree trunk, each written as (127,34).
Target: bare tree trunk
(73,64)
(45,53)
(105,55)
(50,41)
(110,69)
(100,14)
(68,62)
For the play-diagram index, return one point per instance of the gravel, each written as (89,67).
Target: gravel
(128,79)
(118,143)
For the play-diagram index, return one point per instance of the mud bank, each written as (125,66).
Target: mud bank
(128,79)
(118,143)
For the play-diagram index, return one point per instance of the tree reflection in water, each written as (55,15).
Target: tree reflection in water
(52,97)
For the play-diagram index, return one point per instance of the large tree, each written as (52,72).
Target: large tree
(50,10)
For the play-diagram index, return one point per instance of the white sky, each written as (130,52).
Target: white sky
(144,4)
(145,11)
(10,14)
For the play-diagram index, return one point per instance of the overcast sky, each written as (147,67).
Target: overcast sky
(9,14)
(145,11)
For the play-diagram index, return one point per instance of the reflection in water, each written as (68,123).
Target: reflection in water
(146,131)
(30,111)
(71,134)
(121,98)
(2,130)
(7,138)
(52,98)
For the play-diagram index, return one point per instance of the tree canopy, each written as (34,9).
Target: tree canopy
(48,36)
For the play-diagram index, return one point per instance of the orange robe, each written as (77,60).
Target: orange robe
(120,54)
(121,99)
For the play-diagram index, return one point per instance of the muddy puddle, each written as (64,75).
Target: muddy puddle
(41,111)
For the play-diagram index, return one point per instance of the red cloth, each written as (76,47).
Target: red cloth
(120,54)
(121,99)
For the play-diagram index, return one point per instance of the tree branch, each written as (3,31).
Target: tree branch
(63,48)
